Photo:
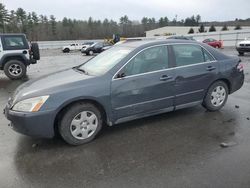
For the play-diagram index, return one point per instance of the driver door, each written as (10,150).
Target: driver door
(146,85)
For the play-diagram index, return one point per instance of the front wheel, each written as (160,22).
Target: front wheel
(216,96)
(80,124)
(15,69)
(241,53)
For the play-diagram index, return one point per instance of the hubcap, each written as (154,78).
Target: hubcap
(15,70)
(91,52)
(218,96)
(84,125)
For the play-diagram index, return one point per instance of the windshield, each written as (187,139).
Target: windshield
(102,63)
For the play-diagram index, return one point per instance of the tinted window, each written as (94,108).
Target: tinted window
(99,45)
(149,60)
(188,54)
(14,42)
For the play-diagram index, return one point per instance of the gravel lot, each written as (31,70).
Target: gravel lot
(177,149)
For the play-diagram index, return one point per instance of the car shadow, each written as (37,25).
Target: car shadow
(189,133)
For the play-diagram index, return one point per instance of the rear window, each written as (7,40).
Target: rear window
(188,54)
(14,42)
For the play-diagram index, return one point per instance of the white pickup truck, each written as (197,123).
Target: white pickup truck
(75,47)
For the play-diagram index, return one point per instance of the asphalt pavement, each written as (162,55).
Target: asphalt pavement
(176,149)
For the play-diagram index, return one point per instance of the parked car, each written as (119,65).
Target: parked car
(181,37)
(127,82)
(214,43)
(243,46)
(97,47)
(72,47)
(87,44)
(16,54)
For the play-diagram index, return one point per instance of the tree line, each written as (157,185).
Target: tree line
(43,27)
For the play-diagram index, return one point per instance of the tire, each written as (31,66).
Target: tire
(80,124)
(91,52)
(218,89)
(241,53)
(35,51)
(15,69)
(66,50)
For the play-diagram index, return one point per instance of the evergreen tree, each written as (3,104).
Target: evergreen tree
(202,28)
(4,17)
(191,31)
(212,28)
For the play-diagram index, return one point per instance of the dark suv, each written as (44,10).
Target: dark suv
(16,54)
(129,81)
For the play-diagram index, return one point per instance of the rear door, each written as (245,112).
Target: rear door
(196,68)
(146,85)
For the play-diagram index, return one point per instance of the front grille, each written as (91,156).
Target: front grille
(241,44)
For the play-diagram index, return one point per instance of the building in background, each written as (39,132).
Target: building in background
(183,30)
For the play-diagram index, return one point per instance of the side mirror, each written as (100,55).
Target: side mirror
(121,75)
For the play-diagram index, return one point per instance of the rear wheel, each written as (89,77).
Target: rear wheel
(15,69)
(91,52)
(66,50)
(80,124)
(216,96)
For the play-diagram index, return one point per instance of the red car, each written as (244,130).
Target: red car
(214,43)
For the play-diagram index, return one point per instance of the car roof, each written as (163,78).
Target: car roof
(145,43)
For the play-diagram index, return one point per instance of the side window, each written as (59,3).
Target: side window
(72,45)
(12,42)
(187,54)
(152,59)
(99,45)
(207,56)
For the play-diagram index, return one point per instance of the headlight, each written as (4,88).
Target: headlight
(30,105)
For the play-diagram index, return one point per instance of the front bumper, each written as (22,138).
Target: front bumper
(35,124)
(243,49)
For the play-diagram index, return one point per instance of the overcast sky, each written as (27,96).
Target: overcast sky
(210,10)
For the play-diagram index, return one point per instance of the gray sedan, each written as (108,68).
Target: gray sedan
(129,81)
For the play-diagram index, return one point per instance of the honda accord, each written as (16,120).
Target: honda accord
(129,81)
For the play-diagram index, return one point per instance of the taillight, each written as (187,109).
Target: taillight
(240,67)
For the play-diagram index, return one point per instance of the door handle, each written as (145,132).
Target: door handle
(165,77)
(210,68)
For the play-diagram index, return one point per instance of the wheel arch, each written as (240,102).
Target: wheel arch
(67,105)
(9,57)
(226,81)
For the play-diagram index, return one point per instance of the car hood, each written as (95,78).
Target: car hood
(245,42)
(49,84)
